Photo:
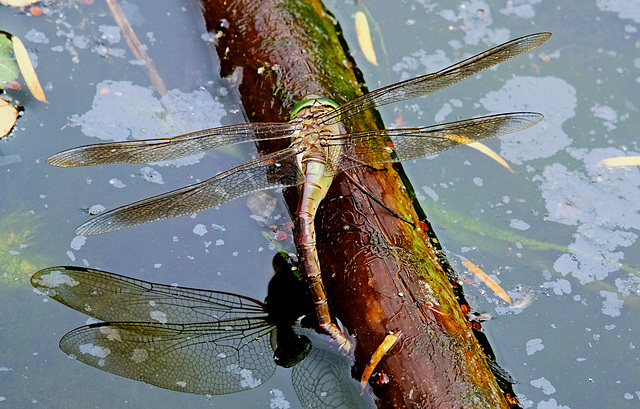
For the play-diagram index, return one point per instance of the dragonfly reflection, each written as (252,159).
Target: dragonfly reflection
(195,341)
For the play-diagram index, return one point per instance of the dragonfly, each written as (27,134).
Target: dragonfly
(320,148)
(197,341)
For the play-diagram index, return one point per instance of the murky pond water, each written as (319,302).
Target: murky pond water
(558,234)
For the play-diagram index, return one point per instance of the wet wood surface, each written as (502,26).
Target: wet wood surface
(382,275)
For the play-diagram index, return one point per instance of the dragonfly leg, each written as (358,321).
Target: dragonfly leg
(373,168)
(378,201)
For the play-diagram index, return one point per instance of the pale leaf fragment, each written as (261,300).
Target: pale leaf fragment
(487,280)
(621,161)
(27,70)
(364,38)
(8,117)
(388,343)
(482,148)
(18,3)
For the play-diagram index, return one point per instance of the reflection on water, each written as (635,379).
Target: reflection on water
(530,146)
(200,341)
(18,229)
(124,111)
(588,354)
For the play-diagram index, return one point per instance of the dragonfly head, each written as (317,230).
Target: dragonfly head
(313,100)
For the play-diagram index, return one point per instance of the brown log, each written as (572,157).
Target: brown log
(382,275)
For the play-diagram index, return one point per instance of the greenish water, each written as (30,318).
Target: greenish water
(559,234)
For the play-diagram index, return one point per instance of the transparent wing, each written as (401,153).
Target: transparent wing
(278,169)
(112,297)
(156,150)
(204,358)
(323,379)
(184,339)
(396,145)
(426,84)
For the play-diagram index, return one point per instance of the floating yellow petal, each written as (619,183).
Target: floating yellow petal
(27,70)
(491,153)
(388,343)
(482,148)
(487,280)
(8,116)
(364,38)
(621,161)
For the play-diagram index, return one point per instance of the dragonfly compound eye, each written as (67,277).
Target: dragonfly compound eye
(312,101)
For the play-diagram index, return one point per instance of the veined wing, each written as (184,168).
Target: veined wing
(190,340)
(396,145)
(160,149)
(205,358)
(112,297)
(278,169)
(428,83)
(322,379)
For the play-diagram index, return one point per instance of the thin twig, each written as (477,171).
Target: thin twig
(136,46)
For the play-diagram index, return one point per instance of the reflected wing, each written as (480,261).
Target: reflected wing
(426,84)
(206,358)
(323,379)
(278,169)
(172,345)
(112,297)
(396,145)
(156,150)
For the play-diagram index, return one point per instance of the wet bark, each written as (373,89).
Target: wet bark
(382,275)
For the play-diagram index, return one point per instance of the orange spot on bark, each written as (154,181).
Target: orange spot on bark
(477,326)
